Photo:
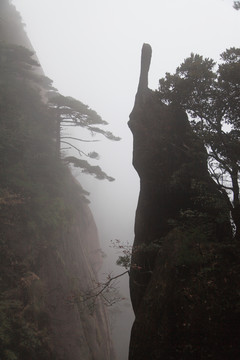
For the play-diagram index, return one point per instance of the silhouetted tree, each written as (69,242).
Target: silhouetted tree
(71,112)
(236,5)
(211,96)
(18,66)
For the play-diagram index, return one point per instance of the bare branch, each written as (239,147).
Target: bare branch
(107,284)
(74,147)
(78,139)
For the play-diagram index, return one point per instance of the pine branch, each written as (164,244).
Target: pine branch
(78,139)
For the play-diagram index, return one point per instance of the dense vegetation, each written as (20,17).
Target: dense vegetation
(210,96)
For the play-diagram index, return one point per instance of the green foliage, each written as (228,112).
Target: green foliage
(211,96)
(124,261)
(188,81)
(127,251)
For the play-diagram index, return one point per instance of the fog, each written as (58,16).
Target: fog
(91,50)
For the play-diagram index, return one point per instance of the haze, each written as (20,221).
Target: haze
(91,49)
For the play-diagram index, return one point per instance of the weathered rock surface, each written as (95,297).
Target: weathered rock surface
(79,329)
(184,270)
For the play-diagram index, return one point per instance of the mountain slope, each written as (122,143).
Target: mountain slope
(49,248)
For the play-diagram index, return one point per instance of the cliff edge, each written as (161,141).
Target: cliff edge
(49,247)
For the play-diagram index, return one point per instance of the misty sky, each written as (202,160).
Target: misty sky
(91,49)
(97,43)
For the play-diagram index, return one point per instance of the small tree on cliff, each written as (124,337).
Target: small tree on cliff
(17,64)
(211,96)
(71,112)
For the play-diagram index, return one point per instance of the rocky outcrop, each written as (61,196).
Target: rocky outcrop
(182,239)
(47,272)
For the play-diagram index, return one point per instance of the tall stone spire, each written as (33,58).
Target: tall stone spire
(145,65)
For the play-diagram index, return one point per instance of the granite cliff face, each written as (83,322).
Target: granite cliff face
(79,329)
(49,248)
(184,270)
